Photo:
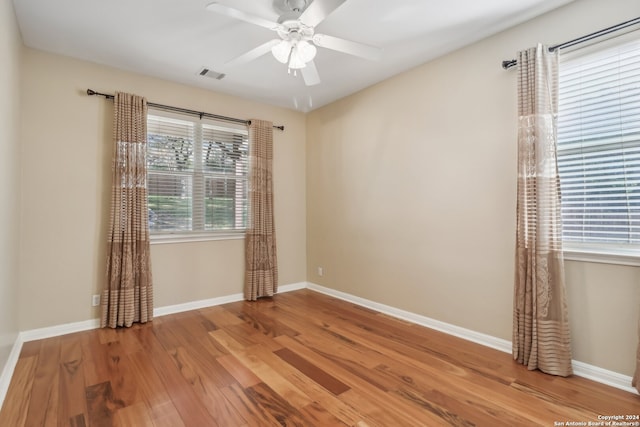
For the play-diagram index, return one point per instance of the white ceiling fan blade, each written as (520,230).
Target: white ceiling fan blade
(310,74)
(243,16)
(347,46)
(253,53)
(318,10)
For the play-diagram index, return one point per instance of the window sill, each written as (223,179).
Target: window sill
(617,256)
(160,239)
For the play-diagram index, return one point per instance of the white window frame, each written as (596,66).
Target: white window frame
(164,237)
(601,252)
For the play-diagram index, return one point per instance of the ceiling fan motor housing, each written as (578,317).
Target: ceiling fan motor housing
(289,17)
(296,5)
(294,30)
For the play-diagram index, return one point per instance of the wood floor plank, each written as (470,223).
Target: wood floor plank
(333,404)
(78,421)
(73,407)
(120,377)
(165,415)
(167,335)
(204,354)
(30,348)
(207,388)
(129,341)
(244,334)
(364,321)
(224,339)
(220,316)
(45,385)
(326,380)
(212,346)
(185,400)
(259,316)
(299,358)
(188,327)
(247,336)
(466,380)
(250,357)
(367,391)
(354,336)
(153,392)
(102,404)
(94,354)
(451,404)
(356,370)
(601,399)
(253,412)
(18,399)
(385,415)
(133,416)
(107,335)
(241,373)
(280,408)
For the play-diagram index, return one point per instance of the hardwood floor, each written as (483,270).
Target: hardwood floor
(298,359)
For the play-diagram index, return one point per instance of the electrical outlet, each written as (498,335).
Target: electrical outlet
(320,271)
(95,300)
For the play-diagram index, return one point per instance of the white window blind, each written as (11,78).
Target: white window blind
(599,147)
(197,176)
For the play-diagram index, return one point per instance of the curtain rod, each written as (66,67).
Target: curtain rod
(185,111)
(513,62)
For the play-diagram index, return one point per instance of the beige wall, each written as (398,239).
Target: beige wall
(66,174)
(10,49)
(411,190)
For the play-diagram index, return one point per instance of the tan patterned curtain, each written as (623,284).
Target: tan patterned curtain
(636,376)
(128,295)
(261,276)
(541,338)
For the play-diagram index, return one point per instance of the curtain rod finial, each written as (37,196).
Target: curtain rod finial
(91,92)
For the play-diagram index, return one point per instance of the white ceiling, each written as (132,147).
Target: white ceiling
(174,39)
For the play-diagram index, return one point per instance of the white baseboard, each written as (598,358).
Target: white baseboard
(9,367)
(85,325)
(55,331)
(604,376)
(293,287)
(195,305)
(581,369)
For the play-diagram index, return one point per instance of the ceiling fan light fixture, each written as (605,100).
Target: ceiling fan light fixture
(306,51)
(282,51)
(301,53)
(296,62)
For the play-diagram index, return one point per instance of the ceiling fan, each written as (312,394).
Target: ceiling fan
(296,45)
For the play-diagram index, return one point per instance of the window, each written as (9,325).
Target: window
(599,150)
(197,177)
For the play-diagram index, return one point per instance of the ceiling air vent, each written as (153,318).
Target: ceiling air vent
(211,74)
